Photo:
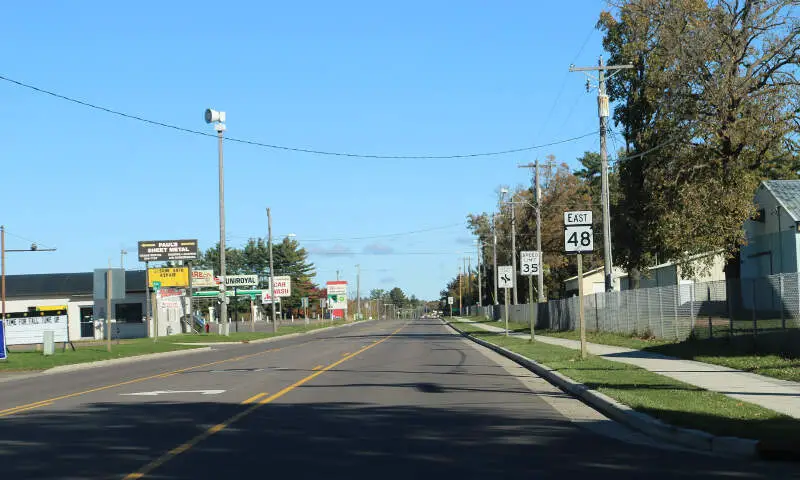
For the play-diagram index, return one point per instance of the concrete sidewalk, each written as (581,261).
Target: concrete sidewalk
(779,395)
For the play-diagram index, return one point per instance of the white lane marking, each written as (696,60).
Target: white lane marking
(164,392)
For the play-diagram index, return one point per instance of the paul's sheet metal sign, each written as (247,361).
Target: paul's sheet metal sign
(166,250)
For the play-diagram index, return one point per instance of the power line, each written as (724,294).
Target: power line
(284,147)
(300,239)
(27,240)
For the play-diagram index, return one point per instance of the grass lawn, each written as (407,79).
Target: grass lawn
(672,401)
(86,353)
(93,351)
(736,352)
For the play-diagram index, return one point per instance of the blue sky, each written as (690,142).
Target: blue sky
(406,78)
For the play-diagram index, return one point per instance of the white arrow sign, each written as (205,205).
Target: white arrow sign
(164,392)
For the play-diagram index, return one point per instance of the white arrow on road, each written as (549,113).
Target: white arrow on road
(164,392)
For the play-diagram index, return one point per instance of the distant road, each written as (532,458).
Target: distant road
(379,400)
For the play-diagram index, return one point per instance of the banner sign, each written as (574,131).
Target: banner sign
(337,295)
(167,250)
(28,328)
(169,277)
(203,279)
(283,286)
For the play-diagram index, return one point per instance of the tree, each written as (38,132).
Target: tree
(709,110)
(589,175)
(292,260)
(397,297)
(377,294)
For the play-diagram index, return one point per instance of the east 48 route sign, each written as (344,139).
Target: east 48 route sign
(578,234)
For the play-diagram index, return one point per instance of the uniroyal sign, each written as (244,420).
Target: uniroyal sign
(241,280)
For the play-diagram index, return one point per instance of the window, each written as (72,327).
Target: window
(129,312)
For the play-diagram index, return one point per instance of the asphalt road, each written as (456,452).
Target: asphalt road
(380,400)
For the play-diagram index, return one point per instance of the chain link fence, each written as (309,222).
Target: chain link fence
(751,306)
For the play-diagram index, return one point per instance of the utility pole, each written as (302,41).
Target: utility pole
(602,111)
(466,281)
(109,289)
(459,290)
(271,272)
(513,248)
(494,257)
(122,254)
(3,268)
(358,290)
(538,196)
(480,289)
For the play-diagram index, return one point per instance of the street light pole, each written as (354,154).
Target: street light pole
(3,251)
(218,118)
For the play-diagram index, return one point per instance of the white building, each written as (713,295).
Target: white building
(40,293)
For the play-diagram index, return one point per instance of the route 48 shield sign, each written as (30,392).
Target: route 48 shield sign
(578,239)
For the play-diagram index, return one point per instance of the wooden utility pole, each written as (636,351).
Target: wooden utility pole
(602,112)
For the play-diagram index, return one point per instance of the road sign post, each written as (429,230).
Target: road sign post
(579,239)
(530,265)
(505,279)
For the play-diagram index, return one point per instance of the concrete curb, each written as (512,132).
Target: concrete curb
(119,361)
(298,334)
(694,439)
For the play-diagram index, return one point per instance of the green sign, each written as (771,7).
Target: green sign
(239,293)
(156,285)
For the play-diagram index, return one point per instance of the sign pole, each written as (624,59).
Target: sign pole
(147,294)
(531,303)
(155,315)
(189,299)
(580,306)
(507,308)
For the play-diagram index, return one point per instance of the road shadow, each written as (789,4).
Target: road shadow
(337,441)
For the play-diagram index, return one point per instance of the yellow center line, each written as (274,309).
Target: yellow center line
(254,398)
(317,367)
(345,354)
(145,470)
(42,403)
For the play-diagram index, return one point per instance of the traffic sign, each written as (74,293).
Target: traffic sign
(157,285)
(529,263)
(449,300)
(581,217)
(505,277)
(578,239)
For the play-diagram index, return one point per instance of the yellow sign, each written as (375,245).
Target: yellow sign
(170,277)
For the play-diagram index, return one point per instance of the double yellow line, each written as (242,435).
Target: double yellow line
(255,403)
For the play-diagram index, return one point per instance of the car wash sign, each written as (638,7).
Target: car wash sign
(167,250)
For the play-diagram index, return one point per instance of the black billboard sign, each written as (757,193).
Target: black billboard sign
(166,250)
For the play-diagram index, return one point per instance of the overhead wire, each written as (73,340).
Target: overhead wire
(28,240)
(284,147)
